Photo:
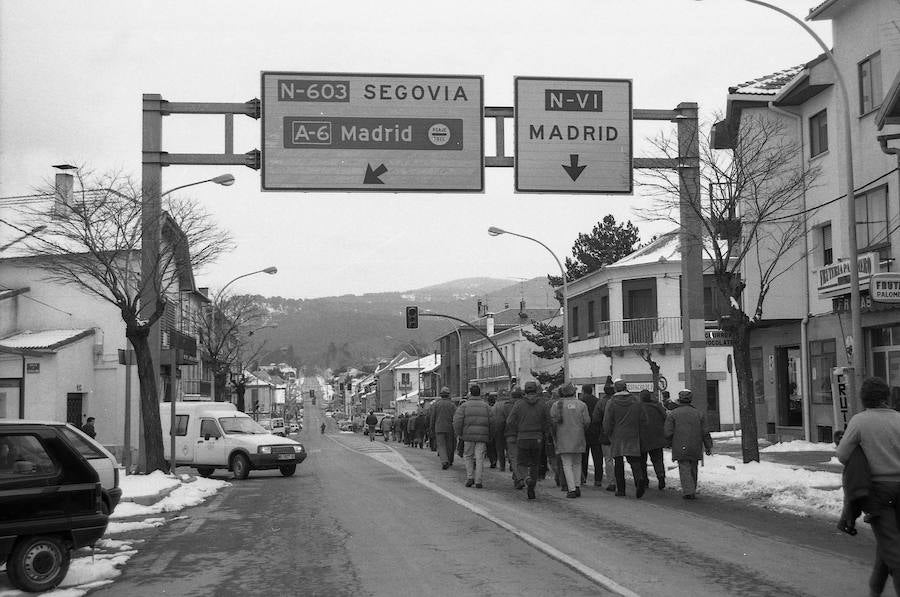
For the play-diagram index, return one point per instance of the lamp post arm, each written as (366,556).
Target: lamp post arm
(190,184)
(486,337)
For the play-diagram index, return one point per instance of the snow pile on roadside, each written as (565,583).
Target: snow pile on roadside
(780,487)
(799,445)
(136,486)
(185,495)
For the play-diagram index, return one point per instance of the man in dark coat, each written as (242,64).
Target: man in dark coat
(653,438)
(621,421)
(529,420)
(89,427)
(607,464)
(491,446)
(498,429)
(510,436)
(442,427)
(686,430)
(371,422)
(591,438)
(411,424)
(420,428)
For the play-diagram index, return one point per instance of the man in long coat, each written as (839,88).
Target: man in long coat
(686,430)
(653,438)
(442,426)
(571,419)
(529,420)
(591,438)
(621,421)
(597,423)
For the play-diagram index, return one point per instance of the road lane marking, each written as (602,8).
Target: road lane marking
(160,563)
(396,461)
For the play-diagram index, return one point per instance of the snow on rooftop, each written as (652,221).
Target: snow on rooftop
(42,339)
(769,84)
(666,248)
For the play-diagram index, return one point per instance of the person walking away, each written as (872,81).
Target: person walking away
(472,423)
(530,422)
(491,447)
(591,438)
(877,431)
(509,435)
(460,446)
(498,430)
(371,422)
(621,421)
(572,420)
(420,428)
(429,426)
(88,427)
(322,428)
(386,422)
(444,409)
(653,438)
(411,429)
(685,429)
(607,464)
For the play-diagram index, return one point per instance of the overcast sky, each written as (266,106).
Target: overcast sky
(72,74)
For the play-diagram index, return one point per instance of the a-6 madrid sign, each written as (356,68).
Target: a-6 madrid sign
(353,132)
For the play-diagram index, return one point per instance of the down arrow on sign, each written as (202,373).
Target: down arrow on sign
(573,169)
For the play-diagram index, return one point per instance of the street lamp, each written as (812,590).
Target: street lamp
(494,231)
(849,198)
(226,180)
(269,270)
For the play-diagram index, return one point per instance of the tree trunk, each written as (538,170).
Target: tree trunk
(150,422)
(240,390)
(220,382)
(740,334)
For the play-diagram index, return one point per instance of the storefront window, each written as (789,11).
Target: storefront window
(756,369)
(822,358)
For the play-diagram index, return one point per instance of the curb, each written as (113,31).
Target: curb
(152,498)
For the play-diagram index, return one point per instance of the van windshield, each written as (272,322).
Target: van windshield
(240,425)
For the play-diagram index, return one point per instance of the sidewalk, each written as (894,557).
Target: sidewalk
(807,455)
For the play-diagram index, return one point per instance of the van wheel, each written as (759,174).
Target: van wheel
(287,469)
(38,563)
(240,466)
(205,471)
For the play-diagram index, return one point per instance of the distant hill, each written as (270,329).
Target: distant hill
(347,330)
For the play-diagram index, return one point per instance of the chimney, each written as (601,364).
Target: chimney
(65,184)
(479,308)
(490,324)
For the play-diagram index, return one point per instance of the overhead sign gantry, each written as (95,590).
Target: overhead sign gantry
(352,132)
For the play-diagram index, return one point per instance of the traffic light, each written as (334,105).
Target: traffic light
(412,317)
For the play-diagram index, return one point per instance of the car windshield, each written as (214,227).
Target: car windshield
(240,425)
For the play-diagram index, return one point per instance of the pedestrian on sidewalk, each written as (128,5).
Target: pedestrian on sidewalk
(685,429)
(572,420)
(411,429)
(419,438)
(472,423)
(607,465)
(371,422)
(443,410)
(498,430)
(530,422)
(429,426)
(653,437)
(386,423)
(549,460)
(621,421)
(510,436)
(591,438)
(491,446)
(88,427)
(877,431)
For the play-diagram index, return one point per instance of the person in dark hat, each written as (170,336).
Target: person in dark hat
(371,422)
(621,421)
(607,464)
(530,422)
(685,430)
(442,423)
(509,435)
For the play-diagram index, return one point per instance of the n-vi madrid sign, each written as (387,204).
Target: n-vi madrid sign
(345,132)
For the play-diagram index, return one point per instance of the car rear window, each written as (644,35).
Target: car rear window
(24,455)
(87,449)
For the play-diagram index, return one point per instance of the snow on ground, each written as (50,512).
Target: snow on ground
(799,445)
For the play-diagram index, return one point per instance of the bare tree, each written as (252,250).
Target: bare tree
(92,240)
(753,224)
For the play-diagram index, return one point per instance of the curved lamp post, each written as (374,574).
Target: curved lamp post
(849,197)
(494,231)
(226,180)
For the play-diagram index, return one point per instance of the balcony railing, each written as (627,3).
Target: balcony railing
(653,331)
(488,371)
(196,387)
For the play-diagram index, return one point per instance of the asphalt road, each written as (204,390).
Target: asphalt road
(369,518)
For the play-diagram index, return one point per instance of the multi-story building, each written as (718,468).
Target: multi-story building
(408,381)
(807,319)
(491,373)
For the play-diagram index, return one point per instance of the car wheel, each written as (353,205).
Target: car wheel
(205,471)
(287,469)
(240,466)
(38,563)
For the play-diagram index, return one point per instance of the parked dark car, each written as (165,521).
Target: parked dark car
(50,504)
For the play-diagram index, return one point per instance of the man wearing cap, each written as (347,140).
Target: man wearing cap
(685,430)
(530,421)
(472,423)
(442,427)
(606,464)
(571,419)
(509,435)
(621,421)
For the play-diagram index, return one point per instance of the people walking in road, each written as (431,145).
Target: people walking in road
(621,421)
(685,430)
(442,424)
(498,430)
(653,438)
(472,423)
(491,453)
(371,422)
(322,428)
(420,428)
(876,430)
(591,438)
(411,429)
(571,418)
(510,436)
(530,422)
(88,427)
(386,423)
(608,464)
(429,427)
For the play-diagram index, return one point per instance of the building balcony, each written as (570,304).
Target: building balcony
(197,389)
(173,339)
(488,372)
(651,332)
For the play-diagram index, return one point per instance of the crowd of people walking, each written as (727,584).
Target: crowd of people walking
(537,434)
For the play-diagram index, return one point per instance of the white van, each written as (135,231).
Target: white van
(275,426)
(215,435)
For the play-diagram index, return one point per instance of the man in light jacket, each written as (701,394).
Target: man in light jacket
(685,429)
(442,427)
(572,419)
(472,422)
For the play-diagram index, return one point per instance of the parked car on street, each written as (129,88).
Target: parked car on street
(51,502)
(296,427)
(101,459)
(275,426)
(215,435)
